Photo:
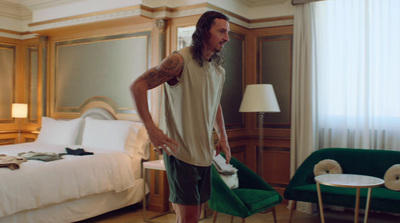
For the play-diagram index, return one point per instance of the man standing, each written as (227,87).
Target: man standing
(193,81)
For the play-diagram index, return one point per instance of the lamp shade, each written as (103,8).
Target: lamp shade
(259,98)
(19,110)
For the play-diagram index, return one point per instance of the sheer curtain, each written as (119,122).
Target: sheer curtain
(303,125)
(358,71)
(346,77)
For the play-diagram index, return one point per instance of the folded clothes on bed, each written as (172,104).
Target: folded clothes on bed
(11,162)
(46,157)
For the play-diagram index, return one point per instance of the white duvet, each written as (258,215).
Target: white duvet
(39,184)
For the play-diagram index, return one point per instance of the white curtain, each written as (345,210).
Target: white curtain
(358,61)
(303,125)
(346,77)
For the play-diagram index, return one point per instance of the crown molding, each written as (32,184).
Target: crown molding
(17,35)
(258,3)
(14,10)
(41,4)
(159,12)
(17,10)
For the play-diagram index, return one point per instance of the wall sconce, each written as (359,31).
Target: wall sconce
(259,98)
(18,111)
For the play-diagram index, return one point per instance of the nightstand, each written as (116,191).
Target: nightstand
(151,165)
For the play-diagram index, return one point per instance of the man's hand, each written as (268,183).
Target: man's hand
(161,142)
(223,146)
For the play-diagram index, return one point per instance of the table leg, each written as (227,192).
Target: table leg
(321,208)
(144,194)
(357,206)
(367,204)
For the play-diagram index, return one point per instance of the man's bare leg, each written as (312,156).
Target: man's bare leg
(187,213)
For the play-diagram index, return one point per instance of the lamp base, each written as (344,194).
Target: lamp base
(19,130)
(260,163)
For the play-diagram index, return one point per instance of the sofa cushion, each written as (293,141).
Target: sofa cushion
(256,200)
(327,166)
(392,178)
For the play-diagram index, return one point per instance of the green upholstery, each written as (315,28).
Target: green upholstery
(252,196)
(302,186)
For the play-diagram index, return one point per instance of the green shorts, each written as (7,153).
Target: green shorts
(188,184)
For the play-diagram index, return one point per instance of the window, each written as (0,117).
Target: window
(357,59)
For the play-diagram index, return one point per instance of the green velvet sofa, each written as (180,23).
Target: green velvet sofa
(302,186)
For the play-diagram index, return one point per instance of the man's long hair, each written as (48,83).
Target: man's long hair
(202,35)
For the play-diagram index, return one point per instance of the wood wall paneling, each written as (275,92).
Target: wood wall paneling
(15,63)
(11,87)
(275,165)
(276,171)
(274,67)
(8,80)
(33,91)
(7,138)
(43,61)
(245,151)
(31,77)
(29,137)
(234,65)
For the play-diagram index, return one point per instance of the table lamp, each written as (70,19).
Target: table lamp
(259,98)
(18,111)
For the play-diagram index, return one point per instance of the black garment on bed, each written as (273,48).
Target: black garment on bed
(76,152)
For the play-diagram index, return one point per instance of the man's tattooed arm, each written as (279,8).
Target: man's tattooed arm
(169,69)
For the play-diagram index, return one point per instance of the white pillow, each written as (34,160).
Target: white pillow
(327,166)
(137,142)
(392,178)
(59,132)
(105,134)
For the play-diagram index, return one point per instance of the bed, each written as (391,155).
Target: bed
(78,185)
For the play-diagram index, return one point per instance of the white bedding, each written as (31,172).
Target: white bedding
(39,184)
(84,208)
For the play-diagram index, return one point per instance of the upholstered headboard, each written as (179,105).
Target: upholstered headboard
(98,113)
